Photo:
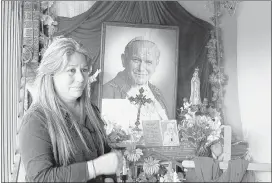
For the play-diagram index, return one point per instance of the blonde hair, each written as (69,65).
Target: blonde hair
(55,58)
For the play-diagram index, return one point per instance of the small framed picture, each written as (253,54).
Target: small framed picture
(169,133)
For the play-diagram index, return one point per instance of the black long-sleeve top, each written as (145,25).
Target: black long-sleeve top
(37,152)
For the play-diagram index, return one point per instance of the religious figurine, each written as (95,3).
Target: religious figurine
(195,89)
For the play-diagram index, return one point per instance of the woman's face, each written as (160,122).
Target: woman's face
(70,83)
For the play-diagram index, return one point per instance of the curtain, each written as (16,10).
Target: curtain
(71,8)
(193,36)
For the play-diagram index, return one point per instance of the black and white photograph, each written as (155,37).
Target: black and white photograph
(135,56)
(135,91)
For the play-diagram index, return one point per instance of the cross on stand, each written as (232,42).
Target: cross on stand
(139,100)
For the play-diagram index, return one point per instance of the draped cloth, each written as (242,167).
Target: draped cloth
(208,170)
(193,35)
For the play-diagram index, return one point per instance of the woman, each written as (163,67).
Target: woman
(62,136)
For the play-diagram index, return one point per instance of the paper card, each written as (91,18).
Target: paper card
(160,133)
(152,132)
(120,112)
(169,132)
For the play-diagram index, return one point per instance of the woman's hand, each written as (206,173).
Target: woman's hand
(108,164)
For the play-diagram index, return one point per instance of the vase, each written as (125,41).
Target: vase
(203,150)
(217,149)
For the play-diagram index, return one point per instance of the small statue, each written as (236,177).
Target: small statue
(195,89)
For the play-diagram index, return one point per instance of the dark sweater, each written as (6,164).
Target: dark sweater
(37,153)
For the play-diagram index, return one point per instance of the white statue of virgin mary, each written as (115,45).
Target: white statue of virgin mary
(195,89)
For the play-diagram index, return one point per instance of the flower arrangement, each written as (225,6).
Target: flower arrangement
(200,125)
(151,166)
(132,153)
(117,135)
(114,132)
(152,170)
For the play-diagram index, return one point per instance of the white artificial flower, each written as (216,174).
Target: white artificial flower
(133,154)
(151,166)
(186,105)
(188,117)
(215,135)
(215,125)
(190,125)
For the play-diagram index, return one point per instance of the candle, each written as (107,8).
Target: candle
(124,166)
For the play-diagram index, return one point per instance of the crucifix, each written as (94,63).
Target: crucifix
(139,100)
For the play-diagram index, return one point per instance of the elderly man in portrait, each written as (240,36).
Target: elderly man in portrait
(140,59)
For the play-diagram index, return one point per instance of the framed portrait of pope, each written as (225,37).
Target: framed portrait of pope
(135,59)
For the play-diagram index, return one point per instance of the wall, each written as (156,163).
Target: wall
(254,78)
(231,100)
